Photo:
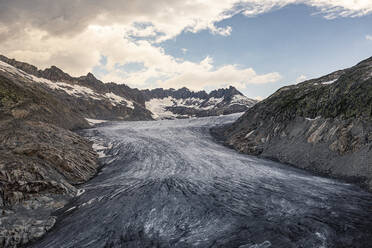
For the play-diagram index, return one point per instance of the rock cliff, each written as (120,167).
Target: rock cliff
(323,125)
(41,161)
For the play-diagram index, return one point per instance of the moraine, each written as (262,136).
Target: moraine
(169,184)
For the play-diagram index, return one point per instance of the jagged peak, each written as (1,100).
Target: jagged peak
(28,68)
(225,92)
(91,76)
(55,74)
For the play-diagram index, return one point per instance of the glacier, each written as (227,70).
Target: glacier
(170,184)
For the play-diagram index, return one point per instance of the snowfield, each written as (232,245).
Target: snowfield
(169,184)
(68,88)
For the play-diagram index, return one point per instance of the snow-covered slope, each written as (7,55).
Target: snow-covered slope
(71,89)
(182,103)
(88,96)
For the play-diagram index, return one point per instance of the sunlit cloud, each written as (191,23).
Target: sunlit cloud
(74,35)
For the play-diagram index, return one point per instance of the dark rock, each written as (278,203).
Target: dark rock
(323,125)
(41,161)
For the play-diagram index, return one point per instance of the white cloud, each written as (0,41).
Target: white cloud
(301,79)
(201,75)
(164,19)
(75,34)
(369,37)
(184,50)
(75,58)
(330,9)
(221,31)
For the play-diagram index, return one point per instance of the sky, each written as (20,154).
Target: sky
(257,46)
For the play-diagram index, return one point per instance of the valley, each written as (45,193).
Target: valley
(169,184)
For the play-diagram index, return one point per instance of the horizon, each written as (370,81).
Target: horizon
(257,47)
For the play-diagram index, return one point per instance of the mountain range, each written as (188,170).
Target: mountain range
(94,99)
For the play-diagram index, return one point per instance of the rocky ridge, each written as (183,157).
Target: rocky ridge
(323,125)
(90,97)
(183,103)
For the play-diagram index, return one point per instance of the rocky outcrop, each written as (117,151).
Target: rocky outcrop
(53,73)
(39,166)
(323,125)
(22,100)
(41,161)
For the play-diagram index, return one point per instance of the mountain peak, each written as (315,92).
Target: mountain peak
(55,74)
(225,92)
(91,76)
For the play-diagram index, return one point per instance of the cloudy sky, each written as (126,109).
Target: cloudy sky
(255,45)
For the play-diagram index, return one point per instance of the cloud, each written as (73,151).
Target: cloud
(74,35)
(164,18)
(202,75)
(301,79)
(369,37)
(330,9)
(221,31)
(78,54)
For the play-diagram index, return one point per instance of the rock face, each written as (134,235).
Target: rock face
(323,125)
(41,161)
(183,103)
(39,166)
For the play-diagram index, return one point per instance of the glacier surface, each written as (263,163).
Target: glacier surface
(169,184)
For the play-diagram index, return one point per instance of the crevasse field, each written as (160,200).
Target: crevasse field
(169,184)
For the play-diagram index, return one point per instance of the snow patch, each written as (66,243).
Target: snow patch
(211,103)
(100,149)
(95,121)
(215,101)
(71,89)
(188,102)
(330,82)
(242,100)
(316,118)
(115,99)
(158,108)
